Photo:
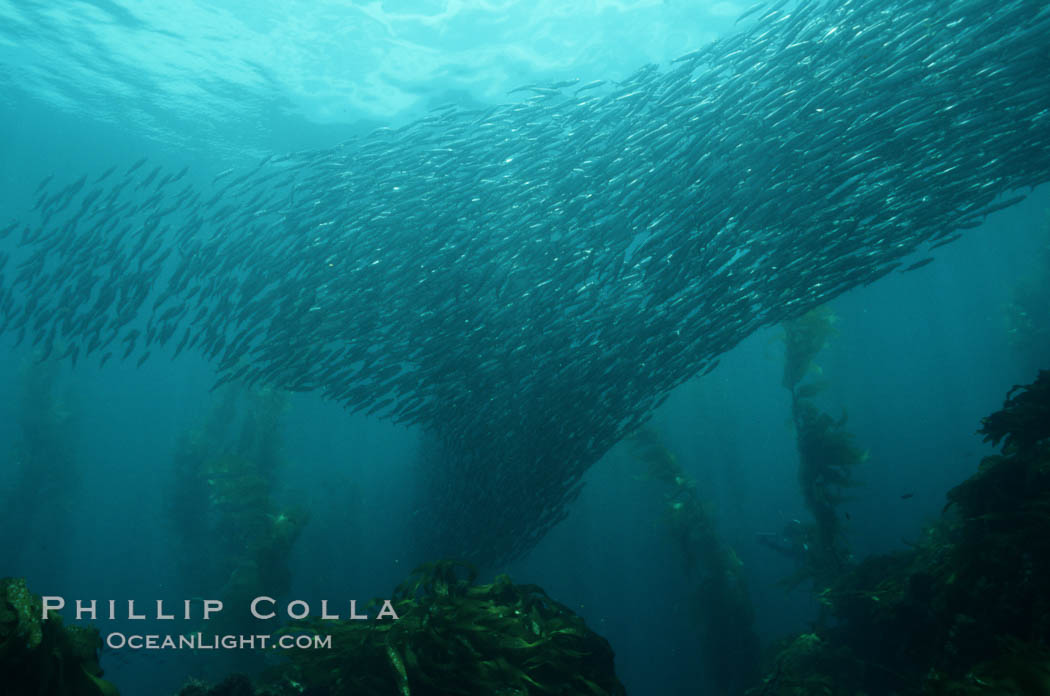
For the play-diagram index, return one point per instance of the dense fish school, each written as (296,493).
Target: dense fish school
(526,282)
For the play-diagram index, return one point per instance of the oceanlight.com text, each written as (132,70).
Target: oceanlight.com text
(200,641)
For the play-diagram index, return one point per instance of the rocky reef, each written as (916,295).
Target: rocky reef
(452,637)
(966,610)
(41,657)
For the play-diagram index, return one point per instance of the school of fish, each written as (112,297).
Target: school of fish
(527,282)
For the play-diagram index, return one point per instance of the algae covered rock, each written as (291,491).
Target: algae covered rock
(234,685)
(45,658)
(810,666)
(455,637)
(21,624)
(966,611)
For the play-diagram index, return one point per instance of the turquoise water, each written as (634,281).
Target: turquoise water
(919,357)
(245,79)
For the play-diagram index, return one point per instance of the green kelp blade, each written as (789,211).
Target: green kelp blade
(399,667)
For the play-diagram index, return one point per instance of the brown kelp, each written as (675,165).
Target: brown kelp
(224,505)
(827,456)
(803,338)
(721,608)
(44,657)
(44,465)
(1028,312)
(1024,421)
(966,610)
(827,452)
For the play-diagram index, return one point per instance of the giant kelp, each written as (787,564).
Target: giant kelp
(827,452)
(527,281)
(37,502)
(804,337)
(1028,311)
(42,657)
(967,610)
(1024,421)
(721,608)
(827,456)
(224,505)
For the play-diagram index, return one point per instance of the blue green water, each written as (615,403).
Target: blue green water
(919,357)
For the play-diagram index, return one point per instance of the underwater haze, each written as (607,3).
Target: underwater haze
(678,314)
